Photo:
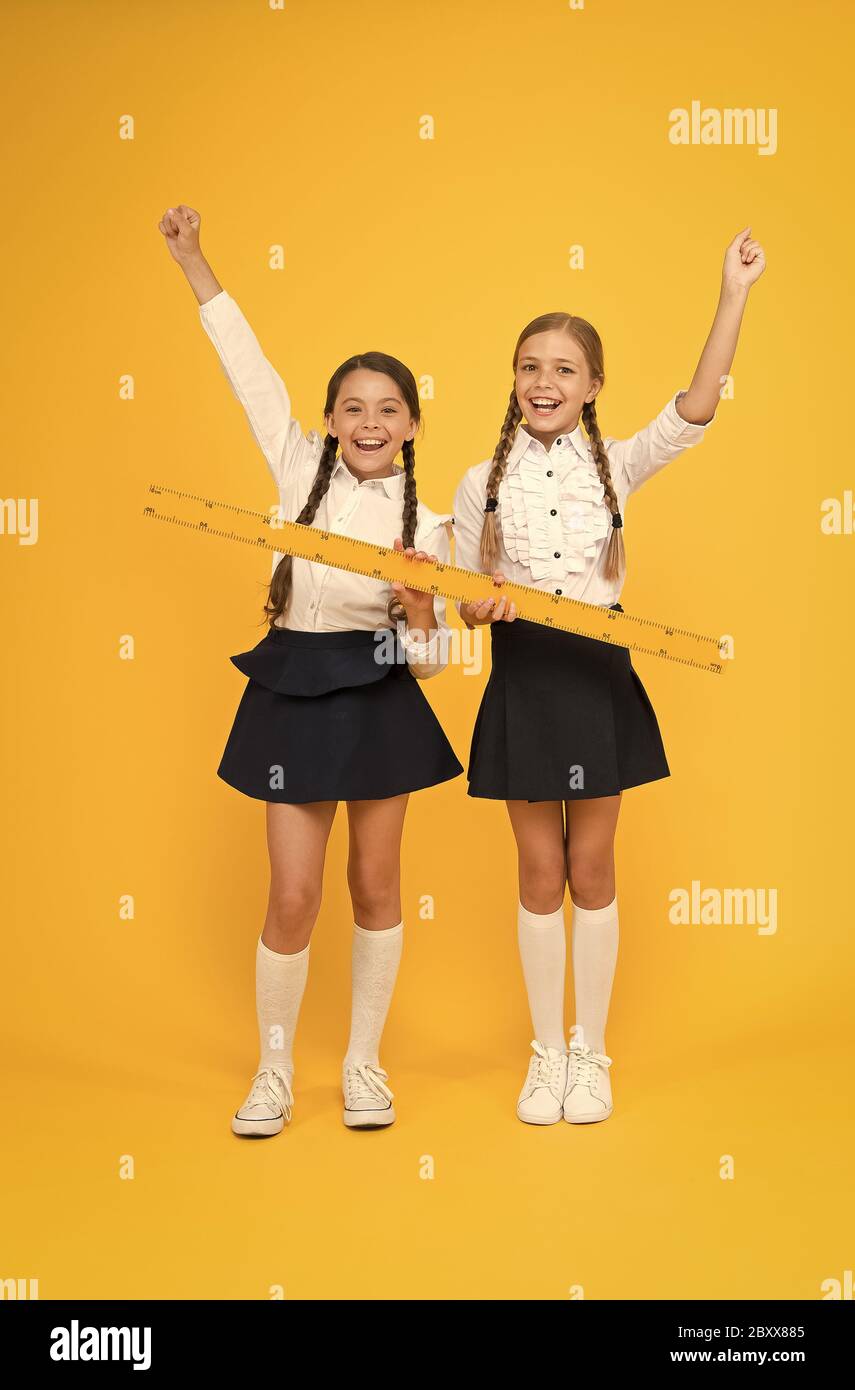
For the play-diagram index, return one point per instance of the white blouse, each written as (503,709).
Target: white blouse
(553,521)
(323,598)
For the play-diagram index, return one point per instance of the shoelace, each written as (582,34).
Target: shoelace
(269,1087)
(542,1071)
(364,1083)
(585,1066)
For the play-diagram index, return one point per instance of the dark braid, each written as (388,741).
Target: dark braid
(395,609)
(280,584)
(411,502)
(490,531)
(615,554)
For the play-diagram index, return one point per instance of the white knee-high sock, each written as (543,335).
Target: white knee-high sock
(543,951)
(375,957)
(279,984)
(595,948)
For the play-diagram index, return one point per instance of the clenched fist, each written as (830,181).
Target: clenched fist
(180,226)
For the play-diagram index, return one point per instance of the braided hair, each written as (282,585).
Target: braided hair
(281,582)
(589,341)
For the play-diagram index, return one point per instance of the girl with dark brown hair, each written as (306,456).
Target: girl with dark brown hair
(565,724)
(332,710)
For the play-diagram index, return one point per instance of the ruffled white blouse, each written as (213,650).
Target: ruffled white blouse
(552,516)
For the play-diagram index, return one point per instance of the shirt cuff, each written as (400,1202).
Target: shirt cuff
(421,652)
(213,304)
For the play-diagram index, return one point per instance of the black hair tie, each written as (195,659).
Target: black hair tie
(616,519)
(492,504)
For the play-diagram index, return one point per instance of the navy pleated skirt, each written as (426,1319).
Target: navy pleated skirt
(321,719)
(562,718)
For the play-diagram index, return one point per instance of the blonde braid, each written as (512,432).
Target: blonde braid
(490,531)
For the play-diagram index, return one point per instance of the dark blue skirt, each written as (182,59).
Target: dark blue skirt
(322,720)
(562,718)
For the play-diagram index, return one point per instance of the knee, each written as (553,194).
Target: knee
(591,878)
(375,893)
(291,914)
(542,882)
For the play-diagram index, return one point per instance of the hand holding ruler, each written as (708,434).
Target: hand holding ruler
(261,532)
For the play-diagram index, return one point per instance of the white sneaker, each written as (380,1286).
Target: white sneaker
(542,1096)
(267,1108)
(589,1091)
(367,1101)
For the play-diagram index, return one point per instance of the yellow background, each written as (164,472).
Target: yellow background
(300,128)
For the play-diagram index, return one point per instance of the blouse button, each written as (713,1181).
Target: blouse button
(558,591)
(558,441)
(552,511)
(558,554)
(549,472)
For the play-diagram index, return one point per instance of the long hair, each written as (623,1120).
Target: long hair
(281,582)
(588,339)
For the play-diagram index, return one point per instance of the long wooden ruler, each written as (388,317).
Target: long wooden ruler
(226,521)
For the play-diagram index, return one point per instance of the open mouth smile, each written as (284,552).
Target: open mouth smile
(544,405)
(370,446)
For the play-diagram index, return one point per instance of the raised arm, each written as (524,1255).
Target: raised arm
(744,263)
(684,419)
(254,381)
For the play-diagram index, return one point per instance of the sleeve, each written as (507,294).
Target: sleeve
(426,659)
(632,461)
(468,524)
(257,385)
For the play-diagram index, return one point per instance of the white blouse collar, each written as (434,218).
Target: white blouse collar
(393,486)
(524,443)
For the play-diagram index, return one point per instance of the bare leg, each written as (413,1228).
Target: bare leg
(374,861)
(538,828)
(296,841)
(591,826)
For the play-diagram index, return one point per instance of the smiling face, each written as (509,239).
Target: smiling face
(553,382)
(371,421)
